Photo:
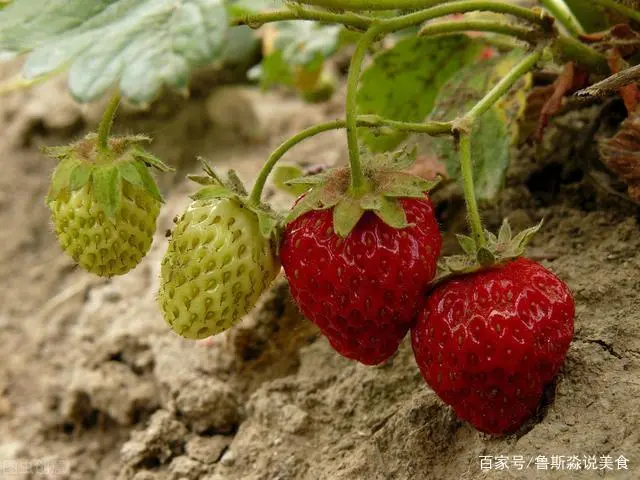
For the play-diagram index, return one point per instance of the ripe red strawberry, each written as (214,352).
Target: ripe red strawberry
(488,342)
(363,291)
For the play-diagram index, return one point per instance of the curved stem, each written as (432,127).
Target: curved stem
(497,92)
(363,22)
(359,5)
(348,19)
(525,34)
(106,123)
(466,167)
(256,192)
(564,15)
(355,67)
(432,128)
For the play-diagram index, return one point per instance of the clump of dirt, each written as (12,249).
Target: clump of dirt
(93,382)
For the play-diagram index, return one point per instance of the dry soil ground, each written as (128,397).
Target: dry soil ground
(93,385)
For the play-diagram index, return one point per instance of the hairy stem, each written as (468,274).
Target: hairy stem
(360,5)
(348,19)
(106,123)
(620,8)
(355,67)
(362,22)
(503,86)
(432,128)
(521,33)
(564,15)
(466,167)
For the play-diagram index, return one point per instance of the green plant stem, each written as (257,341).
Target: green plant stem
(432,128)
(360,5)
(564,15)
(571,49)
(348,19)
(362,22)
(466,168)
(521,33)
(106,123)
(618,7)
(355,67)
(503,86)
(256,192)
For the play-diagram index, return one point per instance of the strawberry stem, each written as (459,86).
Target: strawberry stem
(371,121)
(357,175)
(504,85)
(466,167)
(564,15)
(106,123)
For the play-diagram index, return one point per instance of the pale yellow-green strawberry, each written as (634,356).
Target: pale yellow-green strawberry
(220,259)
(104,204)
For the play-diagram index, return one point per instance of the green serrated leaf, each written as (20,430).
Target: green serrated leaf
(213,191)
(392,213)
(131,174)
(493,134)
(285,173)
(403,82)
(152,160)
(299,49)
(142,44)
(107,189)
(468,245)
(61,177)
(504,235)
(148,181)
(346,215)
(80,176)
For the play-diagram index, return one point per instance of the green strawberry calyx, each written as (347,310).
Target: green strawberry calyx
(83,164)
(497,250)
(216,187)
(386,184)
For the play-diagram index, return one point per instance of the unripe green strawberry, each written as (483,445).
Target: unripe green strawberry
(99,245)
(219,261)
(104,205)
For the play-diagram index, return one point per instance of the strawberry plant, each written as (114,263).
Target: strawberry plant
(361,246)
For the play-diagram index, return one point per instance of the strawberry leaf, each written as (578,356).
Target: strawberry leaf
(493,134)
(143,45)
(107,189)
(213,191)
(295,49)
(402,83)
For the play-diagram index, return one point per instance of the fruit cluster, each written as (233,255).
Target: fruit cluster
(489,329)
